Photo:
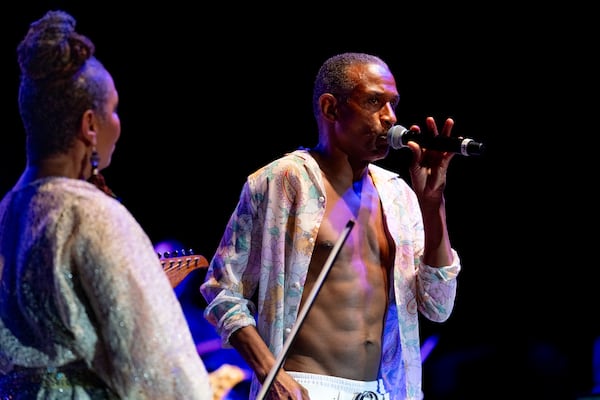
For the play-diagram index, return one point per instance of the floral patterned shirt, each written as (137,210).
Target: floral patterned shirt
(267,246)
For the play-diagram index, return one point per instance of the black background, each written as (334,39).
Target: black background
(210,93)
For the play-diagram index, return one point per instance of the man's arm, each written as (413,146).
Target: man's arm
(257,355)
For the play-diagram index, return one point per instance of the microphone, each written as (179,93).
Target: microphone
(398,137)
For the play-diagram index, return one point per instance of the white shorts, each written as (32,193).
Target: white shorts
(324,387)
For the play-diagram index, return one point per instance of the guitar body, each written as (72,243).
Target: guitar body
(225,378)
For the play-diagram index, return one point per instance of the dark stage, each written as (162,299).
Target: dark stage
(206,97)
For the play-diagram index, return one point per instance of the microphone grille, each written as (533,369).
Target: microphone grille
(394,136)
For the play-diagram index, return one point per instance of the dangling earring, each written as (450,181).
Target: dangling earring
(95,160)
(97,178)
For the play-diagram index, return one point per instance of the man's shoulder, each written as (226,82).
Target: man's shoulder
(299,158)
(295,167)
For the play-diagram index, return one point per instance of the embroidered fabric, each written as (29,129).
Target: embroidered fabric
(74,380)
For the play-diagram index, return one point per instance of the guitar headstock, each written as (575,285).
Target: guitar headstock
(178,264)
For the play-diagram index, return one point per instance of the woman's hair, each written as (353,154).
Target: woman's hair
(60,80)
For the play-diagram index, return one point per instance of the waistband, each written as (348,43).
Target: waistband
(334,388)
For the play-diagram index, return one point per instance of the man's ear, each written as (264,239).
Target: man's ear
(88,127)
(328,104)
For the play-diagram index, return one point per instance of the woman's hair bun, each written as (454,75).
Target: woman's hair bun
(52,48)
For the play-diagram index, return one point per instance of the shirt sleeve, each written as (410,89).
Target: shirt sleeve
(437,289)
(229,271)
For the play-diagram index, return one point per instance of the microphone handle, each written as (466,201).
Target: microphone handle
(464,146)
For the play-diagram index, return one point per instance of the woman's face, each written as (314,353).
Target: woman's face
(109,126)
